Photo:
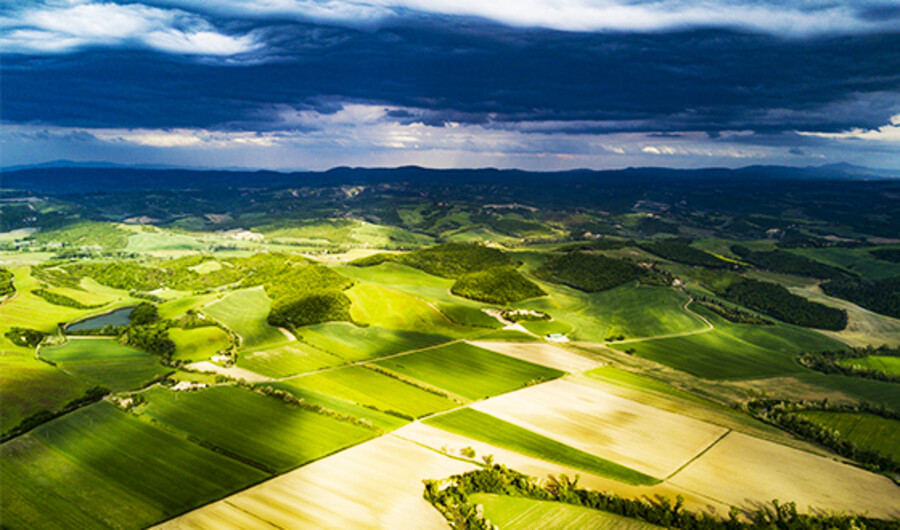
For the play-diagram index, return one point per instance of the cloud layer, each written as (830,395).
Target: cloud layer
(56,28)
(561,83)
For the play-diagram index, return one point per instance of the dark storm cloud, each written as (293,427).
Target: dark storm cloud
(474,72)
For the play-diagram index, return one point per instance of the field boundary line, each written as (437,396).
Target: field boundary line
(251,514)
(698,455)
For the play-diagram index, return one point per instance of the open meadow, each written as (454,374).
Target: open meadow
(101,467)
(377,484)
(105,362)
(364,386)
(245,313)
(744,471)
(641,437)
(515,513)
(468,371)
(274,436)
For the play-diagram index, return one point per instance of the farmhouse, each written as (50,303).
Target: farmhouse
(557,337)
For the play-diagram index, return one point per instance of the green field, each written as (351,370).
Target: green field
(176,307)
(367,387)
(288,359)
(198,344)
(858,388)
(867,431)
(27,310)
(271,433)
(882,363)
(100,467)
(628,310)
(856,260)
(469,371)
(517,513)
(355,343)
(107,363)
(734,351)
(156,241)
(488,429)
(245,313)
(376,306)
(28,386)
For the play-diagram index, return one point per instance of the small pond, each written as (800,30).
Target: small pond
(119,317)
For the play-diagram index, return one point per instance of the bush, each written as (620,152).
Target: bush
(681,251)
(152,338)
(881,296)
(588,272)
(6,282)
(25,337)
(788,263)
(776,301)
(449,260)
(499,285)
(143,314)
(309,308)
(58,299)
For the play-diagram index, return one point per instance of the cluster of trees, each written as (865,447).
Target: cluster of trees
(59,299)
(881,296)
(830,362)
(25,337)
(179,273)
(788,263)
(448,260)
(6,282)
(776,301)
(732,314)
(91,395)
(681,251)
(308,294)
(303,309)
(784,414)
(147,332)
(588,272)
(451,497)
(498,285)
(886,254)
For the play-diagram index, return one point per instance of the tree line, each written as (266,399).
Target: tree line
(451,497)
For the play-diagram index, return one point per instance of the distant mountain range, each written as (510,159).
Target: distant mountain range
(61,177)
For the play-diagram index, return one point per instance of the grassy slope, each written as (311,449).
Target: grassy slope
(377,306)
(272,433)
(469,371)
(245,312)
(287,359)
(367,387)
(28,386)
(882,363)
(516,513)
(734,350)
(413,282)
(629,310)
(356,343)
(106,362)
(856,260)
(198,343)
(100,467)
(865,430)
(488,429)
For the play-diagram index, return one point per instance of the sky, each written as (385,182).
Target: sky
(531,84)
